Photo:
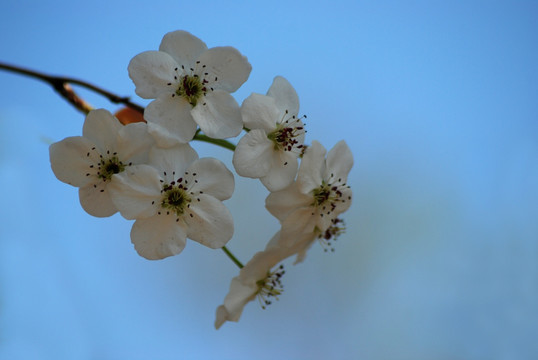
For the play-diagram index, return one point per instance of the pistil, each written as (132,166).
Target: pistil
(175,197)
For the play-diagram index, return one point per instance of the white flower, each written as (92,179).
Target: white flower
(174,197)
(270,149)
(90,161)
(191,85)
(307,208)
(255,280)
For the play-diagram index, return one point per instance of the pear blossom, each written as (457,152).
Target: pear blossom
(269,151)
(191,85)
(172,197)
(309,207)
(257,279)
(91,161)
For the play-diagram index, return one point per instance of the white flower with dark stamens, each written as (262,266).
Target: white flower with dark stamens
(191,85)
(309,206)
(90,161)
(256,280)
(269,151)
(175,196)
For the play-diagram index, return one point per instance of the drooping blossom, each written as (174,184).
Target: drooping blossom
(309,207)
(258,279)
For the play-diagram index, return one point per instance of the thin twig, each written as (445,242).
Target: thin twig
(62,86)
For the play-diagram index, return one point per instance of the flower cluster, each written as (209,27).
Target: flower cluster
(148,171)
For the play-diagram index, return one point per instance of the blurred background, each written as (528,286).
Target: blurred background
(437,101)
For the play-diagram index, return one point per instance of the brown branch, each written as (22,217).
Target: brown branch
(63,87)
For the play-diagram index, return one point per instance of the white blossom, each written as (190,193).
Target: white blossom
(175,196)
(90,161)
(309,207)
(269,151)
(256,280)
(191,85)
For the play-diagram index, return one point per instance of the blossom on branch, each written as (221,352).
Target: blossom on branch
(309,207)
(175,196)
(91,161)
(269,151)
(144,167)
(191,85)
(257,279)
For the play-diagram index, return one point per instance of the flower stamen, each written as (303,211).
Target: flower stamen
(337,228)
(175,197)
(327,195)
(108,167)
(191,88)
(286,133)
(270,286)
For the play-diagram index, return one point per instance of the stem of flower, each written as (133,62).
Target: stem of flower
(227,145)
(219,142)
(231,256)
(63,87)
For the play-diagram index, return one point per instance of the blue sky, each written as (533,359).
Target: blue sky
(437,101)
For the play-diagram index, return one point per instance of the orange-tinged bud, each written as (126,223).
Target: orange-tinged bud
(127,116)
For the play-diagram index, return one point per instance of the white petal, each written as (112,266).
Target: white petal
(301,222)
(345,201)
(95,200)
(220,117)
(238,296)
(252,155)
(281,203)
(244,287)
(136,192)
(101,128)
(310,175)
(301,254)
(158,237)
(339,162)
(273,243)
(221,316)
(301,247)
(134,143)
(285,95)
(283,170)
(258,266)
(70,160)
(227,65)
(184,47)
(211,177)
(170,120)
(291,244)
(211,223)
(234,302)
(322,222)
(151,72)
(172,161)
(260,112)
